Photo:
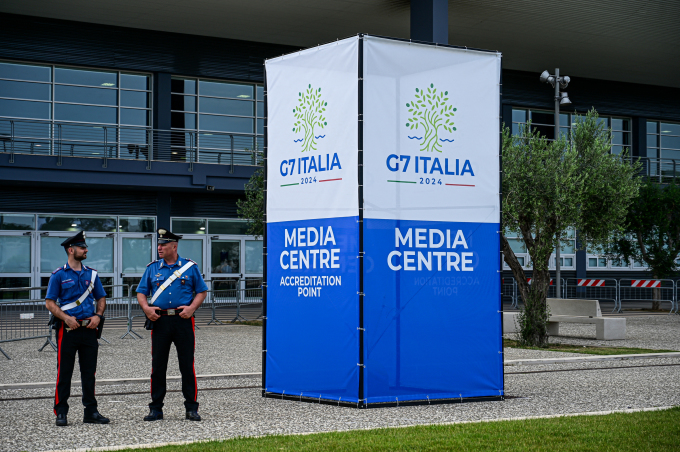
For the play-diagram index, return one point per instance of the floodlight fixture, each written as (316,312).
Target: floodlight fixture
(564,99)
(564,81)
(544,76)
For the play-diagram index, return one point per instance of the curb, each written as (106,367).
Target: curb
(589,359)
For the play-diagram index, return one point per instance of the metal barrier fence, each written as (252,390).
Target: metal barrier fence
(509,291)
(594,289)
(234,305)
(647,290)
(22,320)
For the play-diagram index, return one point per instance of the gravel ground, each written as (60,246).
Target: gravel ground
(219,350)
(29,425)
(580,387)
(649,331)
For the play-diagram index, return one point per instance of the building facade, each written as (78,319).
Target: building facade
(119,130)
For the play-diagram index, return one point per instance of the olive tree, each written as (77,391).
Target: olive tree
(652,232)
(550,187)
(252,207)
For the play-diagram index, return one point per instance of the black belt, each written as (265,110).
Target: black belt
(169,311)
(83,322)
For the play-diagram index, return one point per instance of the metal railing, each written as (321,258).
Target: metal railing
(661,170)
(103,141)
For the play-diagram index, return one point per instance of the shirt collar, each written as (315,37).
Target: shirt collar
(178,263)
(68,267)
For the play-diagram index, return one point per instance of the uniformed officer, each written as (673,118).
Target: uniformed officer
(171,282)
(71,296)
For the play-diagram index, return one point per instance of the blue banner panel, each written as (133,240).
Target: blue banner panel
(313,308)
(431,310)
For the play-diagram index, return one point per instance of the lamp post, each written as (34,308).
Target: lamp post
(560,99)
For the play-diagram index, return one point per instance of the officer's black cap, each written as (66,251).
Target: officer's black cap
(165,236)
(76,240)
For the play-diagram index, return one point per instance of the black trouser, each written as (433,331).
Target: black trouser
(173,330)
(83,341)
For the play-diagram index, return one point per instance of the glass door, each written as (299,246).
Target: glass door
(100,256)
(16,264)
(192,246)
(135,252)
(226,266)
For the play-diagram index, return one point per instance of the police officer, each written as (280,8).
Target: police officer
(71,296)
(171,283)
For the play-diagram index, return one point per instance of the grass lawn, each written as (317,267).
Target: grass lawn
(653,430)
(587,349)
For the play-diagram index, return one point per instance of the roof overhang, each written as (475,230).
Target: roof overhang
(623,40)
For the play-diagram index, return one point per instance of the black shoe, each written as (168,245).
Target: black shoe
(193,416)
(95,418)
(61,420)
(154,416)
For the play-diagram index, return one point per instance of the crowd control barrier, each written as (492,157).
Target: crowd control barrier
(662,290)
(22,320)
(594,289)
(509,291)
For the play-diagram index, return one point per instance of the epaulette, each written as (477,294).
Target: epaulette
(187,259)
(152,262)
(58,268)
(89,268)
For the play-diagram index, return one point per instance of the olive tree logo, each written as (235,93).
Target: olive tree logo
(430,112)
(309,114)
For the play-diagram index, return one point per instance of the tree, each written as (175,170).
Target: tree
(551,186)
(652,232)
(430,112)
(309,114)
(252,208)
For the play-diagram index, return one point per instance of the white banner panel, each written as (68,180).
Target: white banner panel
(431,132)
(312,109)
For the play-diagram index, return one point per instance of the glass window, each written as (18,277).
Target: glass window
(134,81)
(83,95)
(137,224)
(137,254)
(9,283)
(52,254)
(222,285)
(183,86)
(17,222)
(597,262)
(100,254)
(260,92)
(85,77)
(566,262)
(26,72)
(222,89)
(517,245)
(226,124)
(232,227)
(192,249)
(188,226)
(183,120)
(254,256)
(619,263)
(226,106)
(25,109)
(85,113)
(137,99)
(15,254)
(134,117)
(183,103)
(25,90)
(74,224)
(133,282)
(225,256)
(260,110)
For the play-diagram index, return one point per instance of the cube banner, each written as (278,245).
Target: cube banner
(383,215)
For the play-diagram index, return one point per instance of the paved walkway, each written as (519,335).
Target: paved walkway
(532,391)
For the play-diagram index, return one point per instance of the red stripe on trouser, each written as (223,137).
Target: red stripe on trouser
(193,365)
(60,336)
(151,377)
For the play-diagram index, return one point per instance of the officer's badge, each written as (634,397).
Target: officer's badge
(184,281)
(158,274)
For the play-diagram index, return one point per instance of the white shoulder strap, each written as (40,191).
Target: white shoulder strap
(82,298)
(176,274)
